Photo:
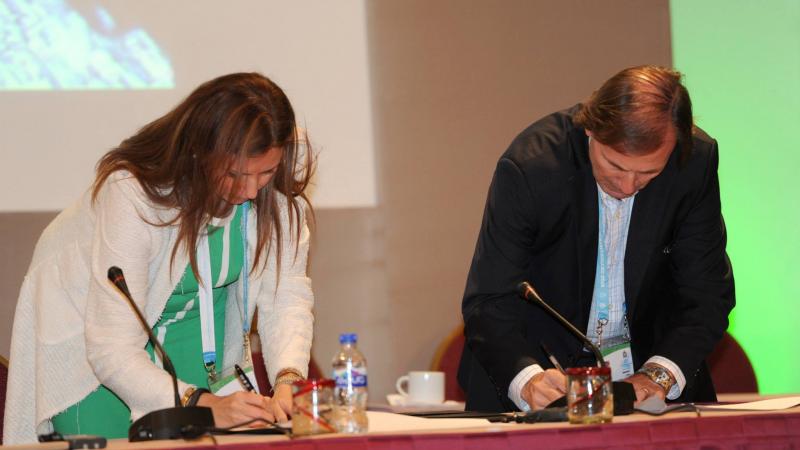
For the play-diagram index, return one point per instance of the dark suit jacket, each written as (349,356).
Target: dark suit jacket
(541,224)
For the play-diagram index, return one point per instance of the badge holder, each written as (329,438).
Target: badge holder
(227,382)
(620,358)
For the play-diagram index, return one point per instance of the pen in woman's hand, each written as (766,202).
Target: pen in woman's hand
(243,378)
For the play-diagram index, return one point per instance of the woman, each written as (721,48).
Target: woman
(212,191)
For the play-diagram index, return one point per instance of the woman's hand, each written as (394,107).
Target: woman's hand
(280,405)
(238,408)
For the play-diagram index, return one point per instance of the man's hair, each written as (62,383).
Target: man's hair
(632,110)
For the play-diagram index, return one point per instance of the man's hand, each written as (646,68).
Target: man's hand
(645,388)
(543,388)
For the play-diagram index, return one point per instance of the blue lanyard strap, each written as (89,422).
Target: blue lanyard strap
(601,294)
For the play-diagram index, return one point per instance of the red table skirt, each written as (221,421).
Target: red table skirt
(755,431)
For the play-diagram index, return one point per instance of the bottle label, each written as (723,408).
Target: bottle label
(350,378)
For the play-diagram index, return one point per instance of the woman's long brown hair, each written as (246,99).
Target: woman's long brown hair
(180,159)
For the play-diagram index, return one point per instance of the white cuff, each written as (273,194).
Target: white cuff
(519,382)
(677,388)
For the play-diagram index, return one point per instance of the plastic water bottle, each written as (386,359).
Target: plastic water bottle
(350,393)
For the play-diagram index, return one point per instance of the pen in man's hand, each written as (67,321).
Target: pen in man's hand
(551,357)
(243,378)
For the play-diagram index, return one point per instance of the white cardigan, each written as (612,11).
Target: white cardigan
(74,331)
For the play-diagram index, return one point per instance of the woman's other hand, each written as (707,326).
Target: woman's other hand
(280,406)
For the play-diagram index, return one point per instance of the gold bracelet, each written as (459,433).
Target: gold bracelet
(287,376)
(187,395)
(288,370)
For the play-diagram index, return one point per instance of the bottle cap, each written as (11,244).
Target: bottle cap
(313,384)
(348,338)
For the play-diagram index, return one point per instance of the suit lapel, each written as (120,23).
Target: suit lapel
(584,209)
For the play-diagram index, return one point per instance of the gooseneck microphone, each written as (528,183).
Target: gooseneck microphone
(170,423)
(116,277)
(624,395)
(529,293)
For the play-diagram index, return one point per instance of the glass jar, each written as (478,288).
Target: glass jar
(590,398)
(312,407)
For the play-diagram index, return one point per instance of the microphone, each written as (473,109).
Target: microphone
(529,293)
(169,423)
(116,277)
(624,395)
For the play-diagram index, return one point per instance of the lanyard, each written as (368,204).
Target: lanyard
(602,283)
(245,280)
(205,294)
(206,297)
(245,283)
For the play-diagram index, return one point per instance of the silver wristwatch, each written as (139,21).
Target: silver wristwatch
(659,375)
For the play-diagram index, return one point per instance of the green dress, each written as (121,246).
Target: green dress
(102,412)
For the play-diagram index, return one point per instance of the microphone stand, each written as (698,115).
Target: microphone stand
(624,395)
(530,294)
(177,422)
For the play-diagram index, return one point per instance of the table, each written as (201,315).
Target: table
(718,430)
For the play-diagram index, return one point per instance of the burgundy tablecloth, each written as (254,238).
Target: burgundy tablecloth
(761,431)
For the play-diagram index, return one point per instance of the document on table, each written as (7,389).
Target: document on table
(383,422)
(770,404)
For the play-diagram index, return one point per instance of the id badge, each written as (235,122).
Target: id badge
(620,359)
(228,381)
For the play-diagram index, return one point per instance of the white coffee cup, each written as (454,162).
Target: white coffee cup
(423,387)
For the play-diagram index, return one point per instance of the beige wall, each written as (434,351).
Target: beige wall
(18,234)
(452,82)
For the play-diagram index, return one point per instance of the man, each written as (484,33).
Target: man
(611,210)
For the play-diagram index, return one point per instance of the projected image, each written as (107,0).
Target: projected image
(49,45)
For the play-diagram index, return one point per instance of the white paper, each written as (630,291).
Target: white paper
(401,401)
(770,404)
(235,385)
(382,422)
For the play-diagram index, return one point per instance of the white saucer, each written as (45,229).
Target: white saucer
(399,401)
